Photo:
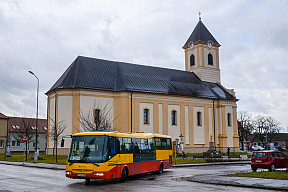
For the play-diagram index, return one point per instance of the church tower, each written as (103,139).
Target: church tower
(202,54)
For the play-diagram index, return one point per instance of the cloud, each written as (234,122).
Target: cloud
(46,36)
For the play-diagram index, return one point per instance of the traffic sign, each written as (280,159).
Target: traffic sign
(25,138)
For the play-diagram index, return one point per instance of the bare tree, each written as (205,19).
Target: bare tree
(245,128)
(57,128)
(99,120)
(27,129)
(273,128)
(266,128)
(259,125)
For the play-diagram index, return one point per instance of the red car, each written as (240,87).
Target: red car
(268,160)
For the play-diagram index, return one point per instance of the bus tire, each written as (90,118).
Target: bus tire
(123,175)
(160,171)
(87,181)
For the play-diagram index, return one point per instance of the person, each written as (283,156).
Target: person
(184,155)
(86,152)
(228,151)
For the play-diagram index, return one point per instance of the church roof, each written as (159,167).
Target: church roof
(201,34)
(98,74)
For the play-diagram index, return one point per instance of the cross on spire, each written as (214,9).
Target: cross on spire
(199,15)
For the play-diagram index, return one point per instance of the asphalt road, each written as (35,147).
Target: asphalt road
(15,178)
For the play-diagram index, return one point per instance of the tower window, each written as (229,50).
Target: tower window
(229,119)
(97,116)
(210,59)
(173,117)
(192,60)
(199,119)
(146,116)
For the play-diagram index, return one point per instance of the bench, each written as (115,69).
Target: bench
(234,157)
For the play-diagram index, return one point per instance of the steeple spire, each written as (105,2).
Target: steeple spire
(201,34)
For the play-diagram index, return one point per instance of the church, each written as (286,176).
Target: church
(191,106)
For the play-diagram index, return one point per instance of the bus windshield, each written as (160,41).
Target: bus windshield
(88,149)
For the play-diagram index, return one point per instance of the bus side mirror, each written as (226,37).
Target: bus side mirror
(62,142)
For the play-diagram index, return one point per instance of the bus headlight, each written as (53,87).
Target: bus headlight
(99,174)
(68,172)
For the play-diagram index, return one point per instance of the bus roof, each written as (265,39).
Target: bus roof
(139,134)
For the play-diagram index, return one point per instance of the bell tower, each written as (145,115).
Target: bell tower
(202,54)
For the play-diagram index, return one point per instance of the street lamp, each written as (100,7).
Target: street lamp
(36,144)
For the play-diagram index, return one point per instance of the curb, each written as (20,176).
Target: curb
(209,164)
(63,167)
(231,183)
(35,165)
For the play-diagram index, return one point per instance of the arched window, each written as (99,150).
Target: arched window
(146,116)
(97,116)
(210,59)
(229,119)
(174,117)
(199,118)
(192,60)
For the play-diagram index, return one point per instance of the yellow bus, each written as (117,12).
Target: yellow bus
(111,155)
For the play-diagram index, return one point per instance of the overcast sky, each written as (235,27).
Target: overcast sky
(46,36)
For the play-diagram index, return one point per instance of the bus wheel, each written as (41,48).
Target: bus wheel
(87,181)
(123,175)
(160,171)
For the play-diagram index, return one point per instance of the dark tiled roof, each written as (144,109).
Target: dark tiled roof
(98,74)
(21,122)
(201,34)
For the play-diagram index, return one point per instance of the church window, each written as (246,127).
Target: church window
(199,118)
(229,119)
(146,116)
(210,59)
(1,144)
(13,143)
(174,117)
(192,60)
(97,116)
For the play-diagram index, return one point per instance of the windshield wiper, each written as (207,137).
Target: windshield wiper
(96,164)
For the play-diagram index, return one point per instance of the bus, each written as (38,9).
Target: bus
(114,155)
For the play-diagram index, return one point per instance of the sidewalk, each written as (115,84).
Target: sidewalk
(259,183)
(36,165)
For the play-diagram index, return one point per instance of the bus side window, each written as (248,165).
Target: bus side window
(117,144)
(163,143)
(112,147)
(158,143)
(169,144)
(121,145)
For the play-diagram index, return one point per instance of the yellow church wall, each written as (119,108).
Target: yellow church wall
(122,113)
(222,137)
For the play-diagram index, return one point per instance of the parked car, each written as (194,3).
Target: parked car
(257,148)
(268,160)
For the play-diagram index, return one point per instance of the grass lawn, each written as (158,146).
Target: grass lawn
(189,161)
(30,158)
(265,174)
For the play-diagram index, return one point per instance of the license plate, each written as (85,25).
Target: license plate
(81,175)
(258,161)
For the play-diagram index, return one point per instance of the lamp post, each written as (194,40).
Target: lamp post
(36,143)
